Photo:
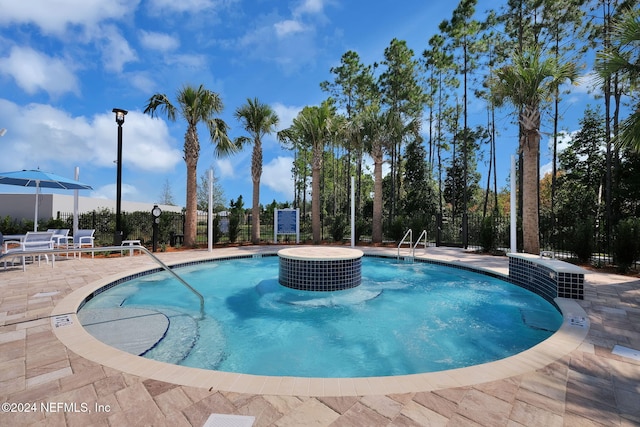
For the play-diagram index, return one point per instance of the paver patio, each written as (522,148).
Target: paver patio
(53,386)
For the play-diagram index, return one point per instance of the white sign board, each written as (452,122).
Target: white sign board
(286,221)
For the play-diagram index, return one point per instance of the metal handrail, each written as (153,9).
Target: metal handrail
(424,233)
(410,234)
(112,249)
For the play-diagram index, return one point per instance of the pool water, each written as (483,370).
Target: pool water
(405,318)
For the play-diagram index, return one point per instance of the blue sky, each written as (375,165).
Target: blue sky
(65,65)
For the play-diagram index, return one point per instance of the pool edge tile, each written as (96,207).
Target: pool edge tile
(569,337)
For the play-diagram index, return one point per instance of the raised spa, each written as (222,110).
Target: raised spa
(320,269)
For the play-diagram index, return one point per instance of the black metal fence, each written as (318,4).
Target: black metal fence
(560,235)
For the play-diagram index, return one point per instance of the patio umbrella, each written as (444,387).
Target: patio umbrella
(40,179)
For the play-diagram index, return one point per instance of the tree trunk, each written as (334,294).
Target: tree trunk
(315,204)
(191,220)
(255,214)
(530,147)
(376,225)
(256,172)
(191,154)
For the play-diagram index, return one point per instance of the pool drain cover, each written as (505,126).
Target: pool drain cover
(225,420)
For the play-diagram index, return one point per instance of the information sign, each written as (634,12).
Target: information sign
(286,221)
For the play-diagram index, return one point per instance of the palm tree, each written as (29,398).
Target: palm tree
(196,105)
(259,120)
(527,83)
(313,126)
(618,61)
(376,137)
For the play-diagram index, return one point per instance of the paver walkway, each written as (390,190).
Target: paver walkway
(52,386)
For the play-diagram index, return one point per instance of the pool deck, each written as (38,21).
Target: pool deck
(590,384)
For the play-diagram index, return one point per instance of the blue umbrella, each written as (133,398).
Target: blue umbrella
(40,179)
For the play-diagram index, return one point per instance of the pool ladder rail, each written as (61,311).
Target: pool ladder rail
(114,249)
(412,246)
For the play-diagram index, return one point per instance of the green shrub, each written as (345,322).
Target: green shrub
(9,225)
(216,229)
(362,227)
(581,240)
(234,227)
(338,226)
(417,224)
(626,248)
(487,234)
(397,229)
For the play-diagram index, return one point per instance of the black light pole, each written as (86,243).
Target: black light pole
(117,235)
(155,212)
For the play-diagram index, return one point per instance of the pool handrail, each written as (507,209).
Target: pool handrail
(424,233)
(115,249)
(409,233)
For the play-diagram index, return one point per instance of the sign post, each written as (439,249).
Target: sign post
(286,221)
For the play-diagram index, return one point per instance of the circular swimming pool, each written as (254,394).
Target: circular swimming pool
(404,318)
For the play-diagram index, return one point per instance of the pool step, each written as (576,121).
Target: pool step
(210,352)
(537,319)
(178,340)
(134,330)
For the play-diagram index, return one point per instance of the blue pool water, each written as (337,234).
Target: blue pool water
(403,319)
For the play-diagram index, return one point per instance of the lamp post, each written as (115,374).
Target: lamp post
(155,212)
(117,235)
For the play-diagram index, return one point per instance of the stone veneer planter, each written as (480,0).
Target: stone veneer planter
(549,278)
(320,268)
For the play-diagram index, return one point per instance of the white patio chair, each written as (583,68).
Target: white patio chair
(61,238)
(33,240)
(84,239)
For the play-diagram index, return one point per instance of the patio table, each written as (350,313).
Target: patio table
(131,244)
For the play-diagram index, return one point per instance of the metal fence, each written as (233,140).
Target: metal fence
(557,234)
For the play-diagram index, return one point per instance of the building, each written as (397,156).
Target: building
(22,206)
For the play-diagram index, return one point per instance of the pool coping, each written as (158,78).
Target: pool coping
(70,332)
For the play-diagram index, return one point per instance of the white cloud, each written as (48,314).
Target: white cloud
(286,114)
(34,71)
(116,51)
(587,83)
(224,168)
(309,7)
(109,192)
(289,41)
(158,41)
(193,6)
(288,27)
(564,139)
(187,61)
(277,176)
(142,81)
(55,17)
(50,138)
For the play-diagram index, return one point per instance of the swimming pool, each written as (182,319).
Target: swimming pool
(404,319)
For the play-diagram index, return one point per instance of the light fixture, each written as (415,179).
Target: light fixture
(120,115)
(117,235)
(156,212)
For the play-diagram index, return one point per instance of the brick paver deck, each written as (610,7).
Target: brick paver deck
(53,386)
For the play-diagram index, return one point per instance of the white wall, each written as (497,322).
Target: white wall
(22,206)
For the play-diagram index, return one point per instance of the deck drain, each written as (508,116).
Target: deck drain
(626,352)
(225,420)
